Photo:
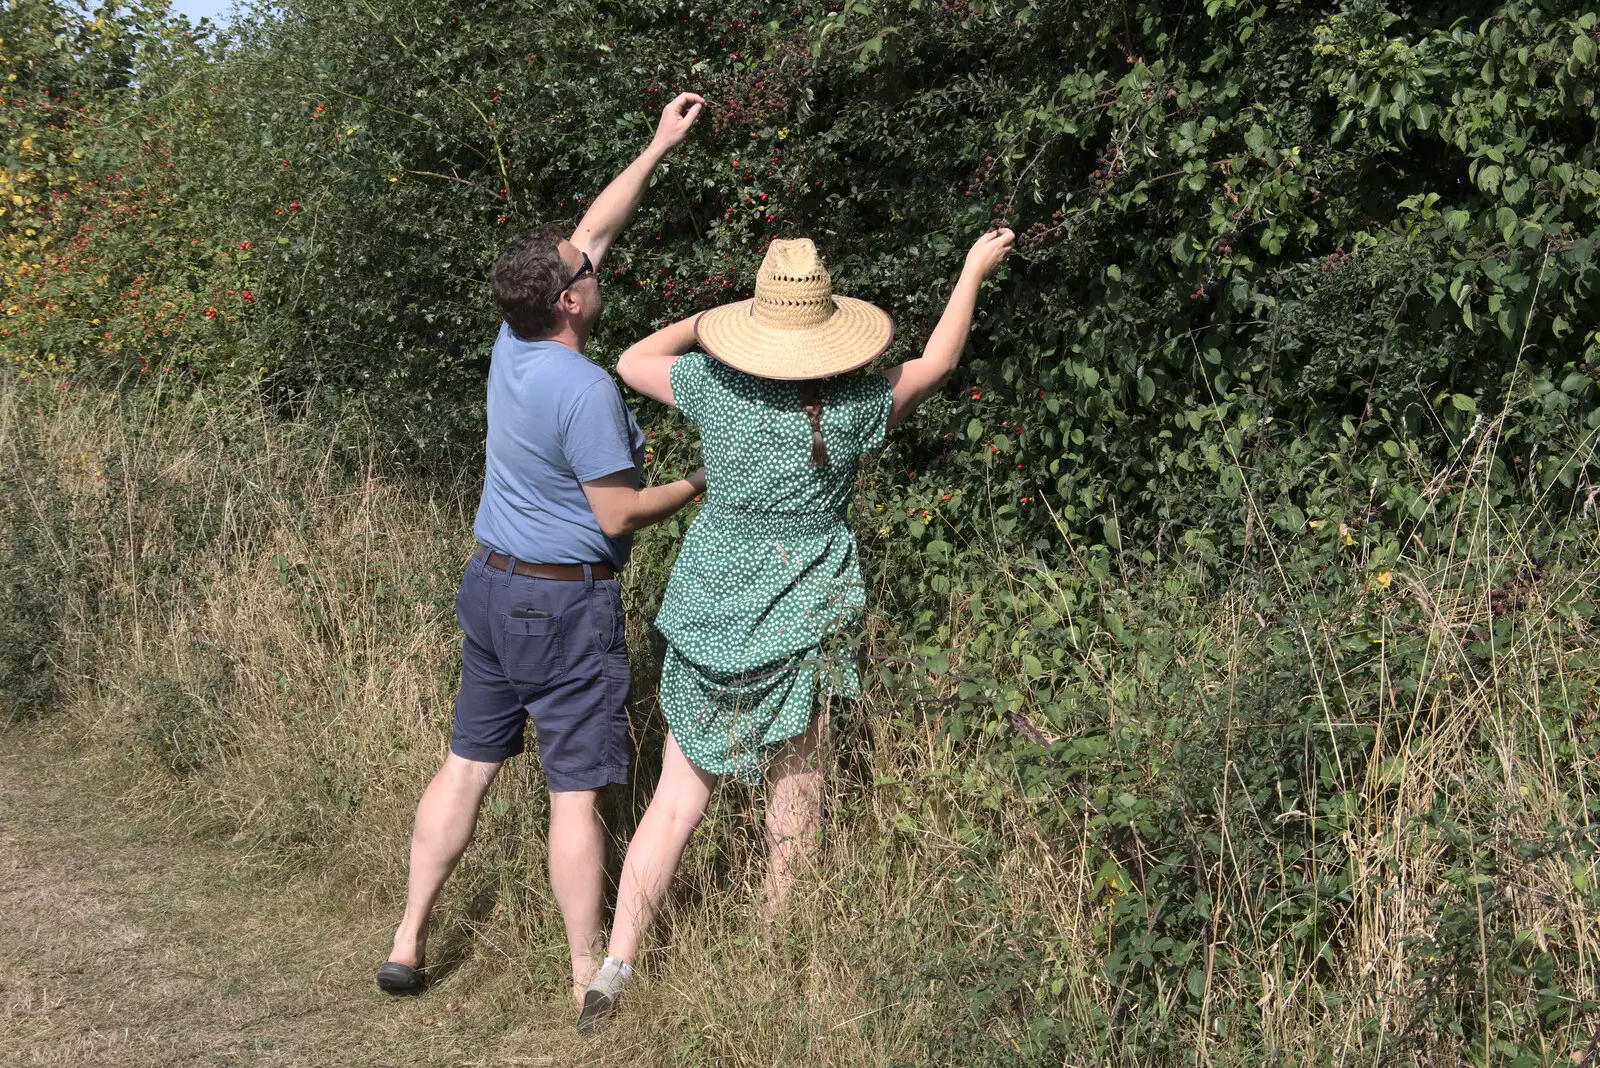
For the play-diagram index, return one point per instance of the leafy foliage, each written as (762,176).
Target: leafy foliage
(1303,324)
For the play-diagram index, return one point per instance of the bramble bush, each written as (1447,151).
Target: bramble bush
(1317,245)
(1300,336)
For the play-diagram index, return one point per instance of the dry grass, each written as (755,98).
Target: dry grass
(260,624)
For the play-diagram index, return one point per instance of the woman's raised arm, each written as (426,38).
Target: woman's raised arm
(646,366)
(916,380)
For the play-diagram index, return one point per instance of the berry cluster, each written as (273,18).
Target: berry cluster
(1037,234)
(1107,168)
(758,94)
(1333,260)
(979,178)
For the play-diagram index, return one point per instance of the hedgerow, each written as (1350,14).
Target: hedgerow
(1322,244)
(1303,317)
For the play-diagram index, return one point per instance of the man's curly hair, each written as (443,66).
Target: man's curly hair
(527,279)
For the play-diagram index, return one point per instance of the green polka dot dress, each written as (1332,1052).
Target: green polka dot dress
(769,567)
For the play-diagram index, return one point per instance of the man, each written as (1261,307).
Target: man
(540,603)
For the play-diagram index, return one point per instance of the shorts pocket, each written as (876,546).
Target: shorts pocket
(533,649)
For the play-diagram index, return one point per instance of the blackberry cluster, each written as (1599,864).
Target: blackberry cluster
(978,179)
(1039,232)
(1107,168)
(757,96)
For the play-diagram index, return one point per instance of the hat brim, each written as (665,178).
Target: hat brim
(854,335)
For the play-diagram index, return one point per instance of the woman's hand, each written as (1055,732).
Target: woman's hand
(915,380)
(988,252)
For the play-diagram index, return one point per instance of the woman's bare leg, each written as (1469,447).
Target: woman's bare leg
(794,814)
(675,811)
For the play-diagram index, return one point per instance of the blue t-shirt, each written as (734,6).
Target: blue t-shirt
(556,420)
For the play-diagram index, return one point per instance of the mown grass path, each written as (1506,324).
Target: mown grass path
(126,943)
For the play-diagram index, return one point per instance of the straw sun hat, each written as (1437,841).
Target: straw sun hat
(795,328)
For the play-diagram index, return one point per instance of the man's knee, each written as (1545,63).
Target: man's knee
(467,778)
(579,805)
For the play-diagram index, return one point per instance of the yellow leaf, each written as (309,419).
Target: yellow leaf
(1383,578)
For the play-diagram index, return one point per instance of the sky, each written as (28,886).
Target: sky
(215,10)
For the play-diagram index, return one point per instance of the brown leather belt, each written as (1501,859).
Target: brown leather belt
(559,572)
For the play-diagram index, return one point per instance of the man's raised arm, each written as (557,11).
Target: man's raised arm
(608,216)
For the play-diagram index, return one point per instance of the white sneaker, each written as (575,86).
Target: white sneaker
(600,996)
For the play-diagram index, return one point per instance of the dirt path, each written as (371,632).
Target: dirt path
(123,943)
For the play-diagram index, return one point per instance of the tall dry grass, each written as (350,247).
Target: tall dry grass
(260,615)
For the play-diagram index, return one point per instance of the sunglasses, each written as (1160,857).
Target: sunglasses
(586,268)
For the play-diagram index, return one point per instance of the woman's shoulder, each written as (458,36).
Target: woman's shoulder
(690,373)
(703,367)
(712,389)
(864,387)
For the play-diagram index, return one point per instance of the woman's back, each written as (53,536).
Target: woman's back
(769,566)
(756,437)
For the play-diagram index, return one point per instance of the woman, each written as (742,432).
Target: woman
(769,568)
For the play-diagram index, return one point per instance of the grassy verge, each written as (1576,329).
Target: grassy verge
(1307,812)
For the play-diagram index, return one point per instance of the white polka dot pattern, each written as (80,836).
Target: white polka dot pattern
(769,567)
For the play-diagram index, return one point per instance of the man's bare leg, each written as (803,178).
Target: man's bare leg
(446,816)
(577,878)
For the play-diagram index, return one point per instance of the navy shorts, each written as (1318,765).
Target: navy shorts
(551,651)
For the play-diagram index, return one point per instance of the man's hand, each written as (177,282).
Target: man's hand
(616,203)
(678,117)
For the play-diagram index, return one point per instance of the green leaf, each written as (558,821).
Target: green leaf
(1506,221)
(1463,403)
